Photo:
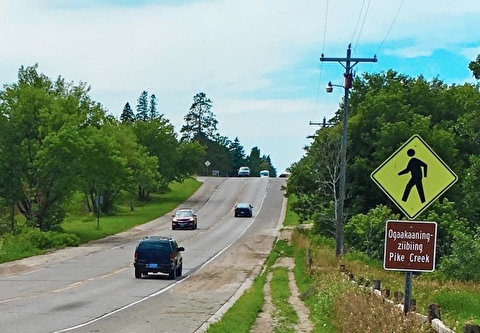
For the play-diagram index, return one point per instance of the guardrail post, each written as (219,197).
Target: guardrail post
(433,312)
(471,328)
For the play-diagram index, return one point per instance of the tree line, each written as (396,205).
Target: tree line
(386,109)
(55,141)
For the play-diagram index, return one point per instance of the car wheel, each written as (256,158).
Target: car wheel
(172,274)
(179,270)
(138,274)
(173,228)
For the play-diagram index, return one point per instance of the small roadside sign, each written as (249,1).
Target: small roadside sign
(413,177)
(410,246)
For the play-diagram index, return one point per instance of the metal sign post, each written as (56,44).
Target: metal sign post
(408,292)
(410,246)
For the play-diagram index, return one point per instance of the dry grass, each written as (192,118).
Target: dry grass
(360,311)
(339,304)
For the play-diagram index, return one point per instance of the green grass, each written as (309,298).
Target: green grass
(18,245)
(85,226)
(285,315)
(241,317)
(460,304)
(291,218)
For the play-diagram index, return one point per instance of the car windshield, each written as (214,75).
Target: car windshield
(184,213)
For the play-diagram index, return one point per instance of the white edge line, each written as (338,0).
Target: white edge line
(165,289)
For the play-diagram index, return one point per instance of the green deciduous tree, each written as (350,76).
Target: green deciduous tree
(386,109)
(42,125)
(474,66)
(159,139)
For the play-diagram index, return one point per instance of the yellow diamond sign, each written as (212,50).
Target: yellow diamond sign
(413,177)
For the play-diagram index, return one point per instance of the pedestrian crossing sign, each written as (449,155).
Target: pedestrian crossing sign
(413,177)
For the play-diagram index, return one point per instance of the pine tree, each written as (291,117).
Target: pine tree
(127,114)
(152,108)
(200,122)
(238,155)
(142,106)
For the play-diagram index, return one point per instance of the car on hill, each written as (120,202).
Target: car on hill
(158,254)
(264,174)
(184,218)
(243,209)
(243,172)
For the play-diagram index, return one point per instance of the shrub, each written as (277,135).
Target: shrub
(461,264)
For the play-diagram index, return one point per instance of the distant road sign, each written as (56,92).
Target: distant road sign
(410,246)
(413,177)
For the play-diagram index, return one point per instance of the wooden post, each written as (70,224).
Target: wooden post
(398,295)
(433,312)
(387,293)
(413,304)
(471,328)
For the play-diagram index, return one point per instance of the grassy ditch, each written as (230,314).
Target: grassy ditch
(241,317)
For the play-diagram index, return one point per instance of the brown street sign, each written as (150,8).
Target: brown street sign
(410,246)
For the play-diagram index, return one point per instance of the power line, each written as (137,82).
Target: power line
(363,24)
(358,21)
(321,64)
(391,25)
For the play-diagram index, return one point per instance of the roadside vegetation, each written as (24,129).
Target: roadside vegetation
(81,228)
(338,303)
(63,159)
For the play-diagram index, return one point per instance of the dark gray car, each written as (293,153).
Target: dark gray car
(158,254)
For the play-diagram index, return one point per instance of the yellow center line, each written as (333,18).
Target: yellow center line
(67,287)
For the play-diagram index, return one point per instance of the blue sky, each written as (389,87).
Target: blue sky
(257,60)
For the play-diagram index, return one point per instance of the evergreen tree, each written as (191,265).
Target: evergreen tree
(127,114)
(254,161)
(238,155)
(152,108)
(142,106)
(200,122)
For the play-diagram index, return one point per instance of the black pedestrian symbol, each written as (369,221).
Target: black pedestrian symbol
(414,166)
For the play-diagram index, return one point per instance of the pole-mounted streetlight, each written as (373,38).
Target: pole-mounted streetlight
(339,218)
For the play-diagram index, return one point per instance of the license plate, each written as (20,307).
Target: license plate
(152,265)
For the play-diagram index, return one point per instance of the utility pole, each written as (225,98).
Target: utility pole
(348,63)
(323,123)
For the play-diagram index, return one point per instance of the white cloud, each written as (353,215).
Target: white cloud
(232,50)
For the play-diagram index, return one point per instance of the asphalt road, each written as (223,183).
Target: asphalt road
(92,288)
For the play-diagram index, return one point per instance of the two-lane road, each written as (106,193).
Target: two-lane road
(92,288)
